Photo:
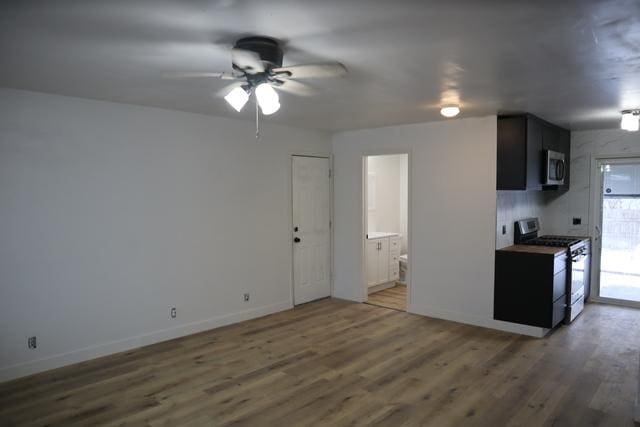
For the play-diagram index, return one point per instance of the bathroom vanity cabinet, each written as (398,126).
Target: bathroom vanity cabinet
(382,258)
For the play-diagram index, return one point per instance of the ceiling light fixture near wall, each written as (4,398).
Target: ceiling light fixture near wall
(450,110)
(630,120)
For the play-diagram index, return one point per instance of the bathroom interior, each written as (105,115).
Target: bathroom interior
(386,254)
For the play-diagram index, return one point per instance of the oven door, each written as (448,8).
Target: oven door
(575,295)
(578,275)
(554,168)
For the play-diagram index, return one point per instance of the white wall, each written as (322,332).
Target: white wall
(452,216)
(586,145)
(516,205)
(110,214)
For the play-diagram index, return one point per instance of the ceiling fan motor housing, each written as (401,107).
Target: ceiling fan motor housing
(269,49)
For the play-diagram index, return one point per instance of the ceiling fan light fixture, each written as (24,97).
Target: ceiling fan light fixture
(267,99)
(450,111)
(630,120)
(237,98)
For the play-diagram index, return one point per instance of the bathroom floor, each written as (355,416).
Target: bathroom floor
(395,298)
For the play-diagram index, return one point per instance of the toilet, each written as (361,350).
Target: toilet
(403,268)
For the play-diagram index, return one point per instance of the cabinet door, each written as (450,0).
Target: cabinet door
(534,154)
(383,261)
(551,138)
(511,155)
(372,262)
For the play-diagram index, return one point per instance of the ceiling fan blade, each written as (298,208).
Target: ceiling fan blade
(247,61)
(308,71)
(196,74)
(294,87)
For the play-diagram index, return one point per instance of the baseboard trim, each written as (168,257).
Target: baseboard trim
(454,316)
(105,349)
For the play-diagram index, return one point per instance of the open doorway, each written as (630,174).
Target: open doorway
(386,247)
(618,231)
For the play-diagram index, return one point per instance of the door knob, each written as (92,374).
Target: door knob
(297,240)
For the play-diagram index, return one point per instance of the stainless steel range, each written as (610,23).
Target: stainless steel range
(578,261)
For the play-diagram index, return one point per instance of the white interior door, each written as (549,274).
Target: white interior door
(311,228)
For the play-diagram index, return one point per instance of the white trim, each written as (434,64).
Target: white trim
(364,289)
(99,350)
(329,157)
(455,316)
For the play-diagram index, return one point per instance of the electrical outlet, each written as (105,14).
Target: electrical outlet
(246,297)
(173,312)
(32,343)
(504,229)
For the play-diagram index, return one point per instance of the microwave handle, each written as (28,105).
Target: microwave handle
(560,170)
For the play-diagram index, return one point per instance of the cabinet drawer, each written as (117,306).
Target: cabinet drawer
(559,263)
(394,258)
(394,274)
(559,284)
(394,243)
(559,311)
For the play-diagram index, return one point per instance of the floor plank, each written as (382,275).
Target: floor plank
(395,298)
(334,362)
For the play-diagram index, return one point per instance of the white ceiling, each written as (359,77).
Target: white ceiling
(575,63)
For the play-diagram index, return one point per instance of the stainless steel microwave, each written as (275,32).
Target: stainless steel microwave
(554,168)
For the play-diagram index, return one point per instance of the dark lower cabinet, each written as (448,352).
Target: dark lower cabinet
(530,288)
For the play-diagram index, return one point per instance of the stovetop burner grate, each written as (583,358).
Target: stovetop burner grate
(559,241)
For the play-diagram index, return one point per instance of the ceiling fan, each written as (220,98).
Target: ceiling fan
(257,68)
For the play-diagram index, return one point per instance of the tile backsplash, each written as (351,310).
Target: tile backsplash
(512,206)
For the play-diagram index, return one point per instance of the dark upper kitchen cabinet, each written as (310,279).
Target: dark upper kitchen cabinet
(520,159)
(519,153)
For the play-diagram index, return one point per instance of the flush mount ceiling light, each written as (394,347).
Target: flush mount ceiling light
(630,120)
(450,110)
(256,64)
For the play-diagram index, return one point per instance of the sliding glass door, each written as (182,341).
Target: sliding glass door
(617,230)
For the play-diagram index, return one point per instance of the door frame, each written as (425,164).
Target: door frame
(364,295)
(290,157)
(595,222)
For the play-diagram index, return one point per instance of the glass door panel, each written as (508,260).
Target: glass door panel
(620,225)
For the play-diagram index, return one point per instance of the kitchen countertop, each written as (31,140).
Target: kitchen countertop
(548,250)
(380,234)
